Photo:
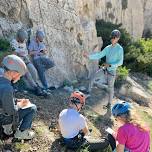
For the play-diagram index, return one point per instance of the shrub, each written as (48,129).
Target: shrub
(4,48)
(139,56)
(150,85)
(122,73)
(4,45)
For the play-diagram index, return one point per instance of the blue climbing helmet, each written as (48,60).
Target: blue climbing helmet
(115,34)
(120,108)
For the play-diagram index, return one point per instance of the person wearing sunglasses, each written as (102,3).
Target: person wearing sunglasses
(114,57)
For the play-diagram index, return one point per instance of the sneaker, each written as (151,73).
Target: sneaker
(47,92)
(40,92)
(26,134)
(7,129)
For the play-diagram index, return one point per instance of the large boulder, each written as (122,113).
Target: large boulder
(133,90)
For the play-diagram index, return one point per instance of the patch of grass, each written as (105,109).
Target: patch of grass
(108,149)
(147,118)
(150,85)
(122,73)
(20,146)
(39,130)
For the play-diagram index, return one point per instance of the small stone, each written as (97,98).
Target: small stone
(82,88)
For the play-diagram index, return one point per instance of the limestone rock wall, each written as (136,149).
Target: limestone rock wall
(70,28)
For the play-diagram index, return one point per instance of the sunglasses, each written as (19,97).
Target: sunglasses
(113,37)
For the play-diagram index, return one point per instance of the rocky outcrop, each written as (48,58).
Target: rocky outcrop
(70,28)
(135,91)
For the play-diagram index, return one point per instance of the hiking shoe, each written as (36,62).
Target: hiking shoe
(47,92)
(7,129)
(26,134)
(40,92)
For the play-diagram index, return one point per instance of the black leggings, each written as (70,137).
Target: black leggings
(92,144)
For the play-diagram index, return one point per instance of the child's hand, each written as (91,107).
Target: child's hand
(85,54)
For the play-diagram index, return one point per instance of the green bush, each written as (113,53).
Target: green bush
(139,56)
(122,72)
(4,48)
(4,45)
(150,85)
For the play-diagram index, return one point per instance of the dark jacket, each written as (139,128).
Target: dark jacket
(7,103)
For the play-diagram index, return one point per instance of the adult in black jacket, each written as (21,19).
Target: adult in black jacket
(15,114)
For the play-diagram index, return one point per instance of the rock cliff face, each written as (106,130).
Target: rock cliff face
(70,28)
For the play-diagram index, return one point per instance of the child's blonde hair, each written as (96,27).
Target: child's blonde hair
(131,117)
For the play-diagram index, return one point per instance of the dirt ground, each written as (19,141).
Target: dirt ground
(46,139)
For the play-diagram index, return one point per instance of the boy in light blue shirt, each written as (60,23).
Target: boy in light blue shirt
(114,58)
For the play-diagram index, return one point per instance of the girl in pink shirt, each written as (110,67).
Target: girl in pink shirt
(132,136)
